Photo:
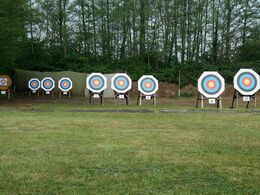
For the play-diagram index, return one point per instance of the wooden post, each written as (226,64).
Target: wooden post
(198,99)
(154,100)
(116,96)
(140,99)
(102,100)
(127,100)
(220,102)
(9,94)
(202,101)
(237,96)
(255,99)
(89,99)
(101,96)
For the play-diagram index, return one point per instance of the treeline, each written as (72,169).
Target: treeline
(160,37)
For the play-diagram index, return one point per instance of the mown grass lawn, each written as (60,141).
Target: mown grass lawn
(138,153)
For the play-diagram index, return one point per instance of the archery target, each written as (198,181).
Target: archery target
(3,81)
(47,84)
(34,84)
(96,82)
(65,84)
(121,83)
(148,85)
(247,82)
(211,84)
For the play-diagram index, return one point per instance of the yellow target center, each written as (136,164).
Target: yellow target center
(148,85)
(96,82)
(121,83)
(211,84)
(247,81)
(48,84)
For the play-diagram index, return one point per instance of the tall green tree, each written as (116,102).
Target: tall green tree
(13,29)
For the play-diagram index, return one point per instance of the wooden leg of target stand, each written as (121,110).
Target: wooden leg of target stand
(154,100)
(89,99)
(237,96)
(9,94)
(126,99)
(219,102)
(198,99)
(247,104)
(202,101)
(101,97)
(255,100)
(115,97)
(140,99)
(233,100)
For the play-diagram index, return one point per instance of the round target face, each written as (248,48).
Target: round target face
(96,82)
(3,81)
(48,84)
(211,84)
(34,84)
(148,85)
(121,83)
(246,81)
(65,84)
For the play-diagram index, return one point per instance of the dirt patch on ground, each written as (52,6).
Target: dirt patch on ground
(189,90)
(166,90)
(192,90)
(229,91)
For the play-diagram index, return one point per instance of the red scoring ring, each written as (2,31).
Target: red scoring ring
(96,82)
(148,85)
(211,84)
(121,83)
(65,84)
(247,81)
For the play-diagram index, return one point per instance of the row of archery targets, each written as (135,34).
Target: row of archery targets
(97,83)
(211,86)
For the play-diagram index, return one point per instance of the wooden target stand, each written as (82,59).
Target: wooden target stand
(121,96)
(6,86)
(36,92)
(201,98)
(50,93)
(245,98)
(96,96)
(141,96)
(7,92)
(65,93)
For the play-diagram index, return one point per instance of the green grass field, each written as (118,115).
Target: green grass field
(44,151)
